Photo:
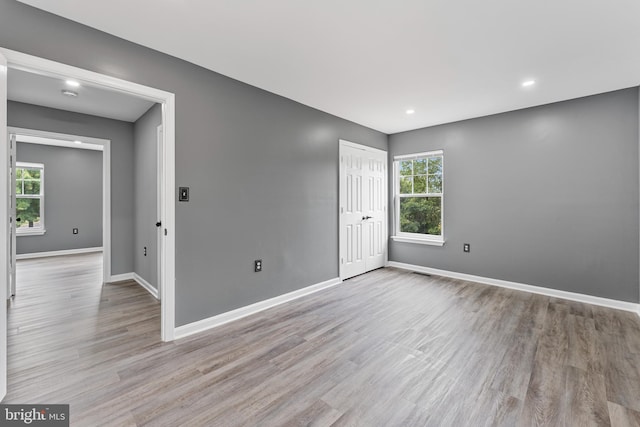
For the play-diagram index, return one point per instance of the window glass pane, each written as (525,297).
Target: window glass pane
(406,168)
(406,186)
(18,187)
(421,215)
(28,211)
(435,183)
(31,173)
(18,173)
(435,165)
(420,167)
(32,187)
(419,184)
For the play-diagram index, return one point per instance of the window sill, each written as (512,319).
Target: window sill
(403,239)
(31,233)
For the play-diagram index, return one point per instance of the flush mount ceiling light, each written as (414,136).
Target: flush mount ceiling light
(78,142)
(72,83)
(528,83)
(69,93)
(410,111)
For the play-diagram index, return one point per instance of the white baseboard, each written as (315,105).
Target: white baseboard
(121,277)
(58,253)
(153,291)
(229,316)
(139,280)
(572,296)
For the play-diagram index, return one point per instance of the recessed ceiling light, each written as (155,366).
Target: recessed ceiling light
(528,83)
(410,111)
(78,142)
(72,83)
(69,93)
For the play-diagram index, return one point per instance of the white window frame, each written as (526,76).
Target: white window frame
(40,230)
(424,239)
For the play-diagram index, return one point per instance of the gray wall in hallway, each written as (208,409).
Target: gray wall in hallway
(145,184)
(73,198)
(121,136)
(263,170)
(546,196)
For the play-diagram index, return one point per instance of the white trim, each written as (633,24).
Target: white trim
(571,296)
(239,313)
(5,251)
(146,285)
(58,253)
(166,282)
(34,64)
(12,224)
(357,146)
(34,136)
(83,145)
(28,165)
(121,277)
(418,155)
(35,231)
(159,196)
(403,239)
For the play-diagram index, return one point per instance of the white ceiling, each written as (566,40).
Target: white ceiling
(369,61)
(46,91)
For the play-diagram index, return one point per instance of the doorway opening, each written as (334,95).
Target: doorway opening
(76,204)
(19,61)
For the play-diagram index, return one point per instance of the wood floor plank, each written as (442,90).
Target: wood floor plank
(387,348)
(623,417)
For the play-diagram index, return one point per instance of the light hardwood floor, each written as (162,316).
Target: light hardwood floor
(389,348)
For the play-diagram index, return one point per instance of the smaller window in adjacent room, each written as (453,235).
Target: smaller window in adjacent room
(29,198)
(419,190)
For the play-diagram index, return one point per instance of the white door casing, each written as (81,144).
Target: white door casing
(363,209)
(12,216)
(4,230)
(159,229)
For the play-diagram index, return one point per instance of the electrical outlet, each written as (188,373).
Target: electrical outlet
(466,247)
(257,265)
(75,231)
(145,251)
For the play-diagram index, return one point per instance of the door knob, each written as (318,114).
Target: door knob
(366,217)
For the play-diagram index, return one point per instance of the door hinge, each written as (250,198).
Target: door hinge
(165,231)
(341,210)
(341,260)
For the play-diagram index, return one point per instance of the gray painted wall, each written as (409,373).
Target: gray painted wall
(546,196)
(121,136)
(73,198)
(263,170)
(145,194)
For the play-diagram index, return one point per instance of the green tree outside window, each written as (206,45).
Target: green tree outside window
(29,196)
(420,195)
